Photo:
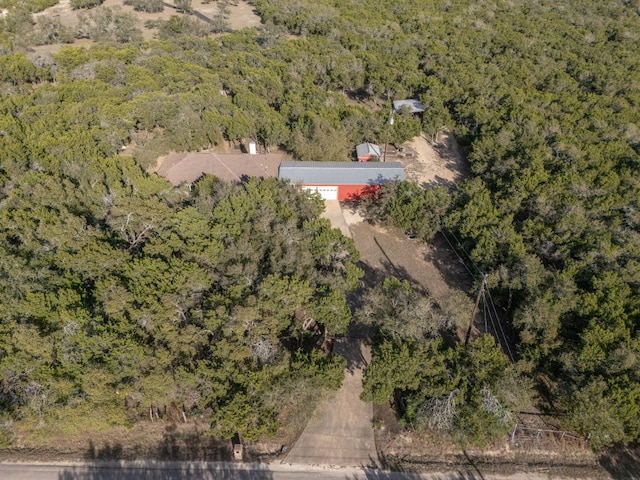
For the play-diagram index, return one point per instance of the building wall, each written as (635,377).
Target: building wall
(350,192)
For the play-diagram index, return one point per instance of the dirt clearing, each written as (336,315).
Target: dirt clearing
(241,15)
(433,268)
(440,163)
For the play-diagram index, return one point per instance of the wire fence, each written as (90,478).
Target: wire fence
(521,435)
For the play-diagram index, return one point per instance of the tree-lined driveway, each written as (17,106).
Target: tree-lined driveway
(340,433)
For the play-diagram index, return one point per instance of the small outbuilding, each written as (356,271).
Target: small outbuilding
(341,180)
(412,105)
(366,152)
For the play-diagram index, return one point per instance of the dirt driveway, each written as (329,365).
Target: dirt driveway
(341,431)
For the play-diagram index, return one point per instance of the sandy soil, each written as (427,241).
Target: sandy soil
(440,163)
(243,16)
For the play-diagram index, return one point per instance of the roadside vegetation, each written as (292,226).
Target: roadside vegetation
(121,296)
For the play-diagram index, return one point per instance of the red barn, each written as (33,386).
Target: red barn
(340,180)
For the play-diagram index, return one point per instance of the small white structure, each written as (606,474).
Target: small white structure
(252,148)
(237,452)
(414,106)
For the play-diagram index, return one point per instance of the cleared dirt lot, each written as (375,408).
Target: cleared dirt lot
(437,163)
(434,269)
(241,15)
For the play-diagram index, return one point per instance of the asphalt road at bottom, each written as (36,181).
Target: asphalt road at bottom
(189,471)
(221,471)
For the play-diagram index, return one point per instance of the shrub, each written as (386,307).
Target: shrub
(78,4)
(149,6)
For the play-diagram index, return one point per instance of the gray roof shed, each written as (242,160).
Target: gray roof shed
(367,149)
(341,173)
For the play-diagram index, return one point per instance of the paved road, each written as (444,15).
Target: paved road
(223,471)
(150,471)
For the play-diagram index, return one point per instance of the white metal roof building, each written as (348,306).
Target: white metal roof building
(414,106)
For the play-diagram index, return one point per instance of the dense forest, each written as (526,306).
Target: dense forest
(123,299)
(110,278)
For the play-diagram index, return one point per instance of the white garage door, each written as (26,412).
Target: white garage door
(327,193)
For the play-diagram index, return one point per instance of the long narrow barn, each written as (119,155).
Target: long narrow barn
(341,180)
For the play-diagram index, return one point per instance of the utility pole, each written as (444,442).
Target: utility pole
(386,140)
(475,309)
(388,124)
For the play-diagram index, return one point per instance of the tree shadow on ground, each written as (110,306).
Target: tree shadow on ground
(393,470)
(622,462)
(351,350)
(374,474)
(455,272)
(374,276)
(179,455)
(175,445)
(154,470)
(438,181)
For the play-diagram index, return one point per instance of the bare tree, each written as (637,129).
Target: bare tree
(264,350)
(439,412)
(491,404)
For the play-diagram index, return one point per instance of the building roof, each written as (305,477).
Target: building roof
(415,106)
(341,173)
(367,149)
(188,167)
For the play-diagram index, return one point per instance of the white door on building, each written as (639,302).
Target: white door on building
(326,192)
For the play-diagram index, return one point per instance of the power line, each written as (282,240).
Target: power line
(465,252)
(458,255)
(498,329)
(506,342)
(493,325)
(481,292)
(485,312)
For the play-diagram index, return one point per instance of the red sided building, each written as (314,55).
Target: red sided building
(341,180)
